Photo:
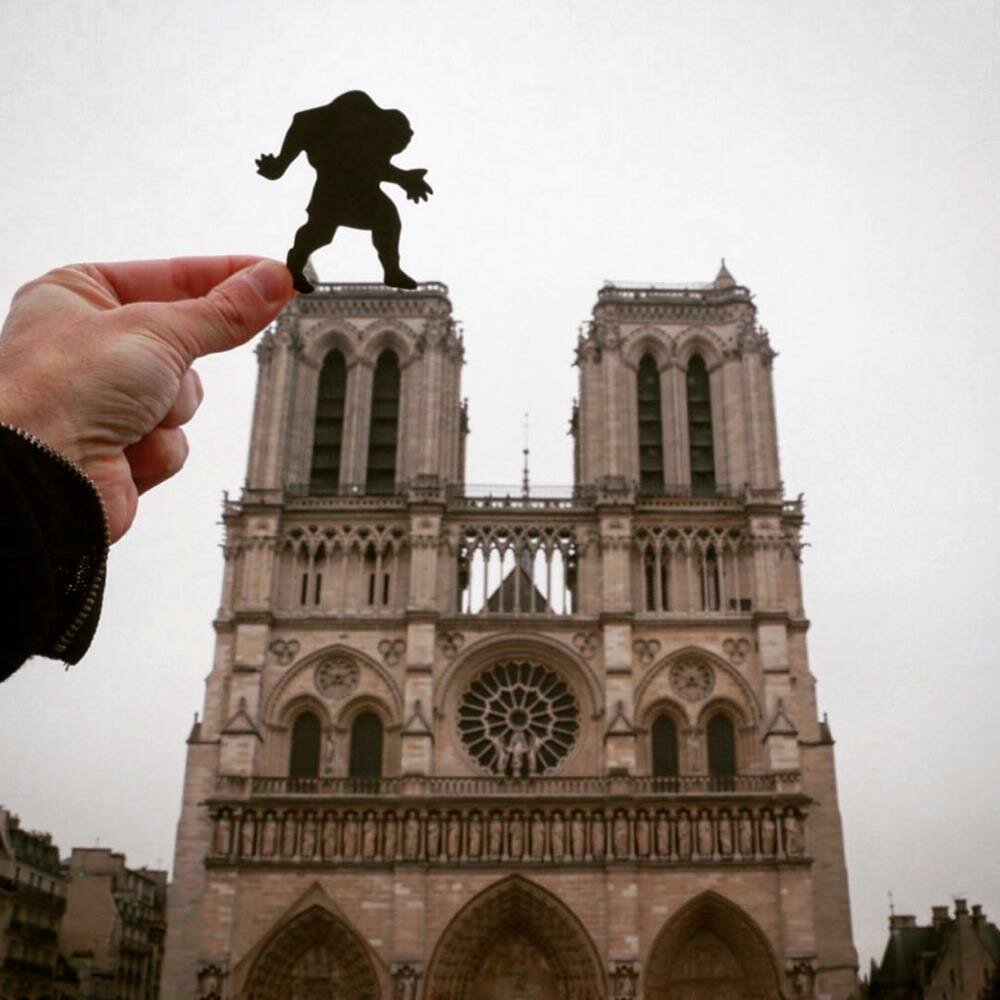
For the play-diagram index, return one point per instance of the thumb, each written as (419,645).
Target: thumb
(228,315)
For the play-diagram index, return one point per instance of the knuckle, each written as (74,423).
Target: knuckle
(226,312)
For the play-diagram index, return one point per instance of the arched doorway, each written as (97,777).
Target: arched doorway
(711,950)
(315,956)
(515,941)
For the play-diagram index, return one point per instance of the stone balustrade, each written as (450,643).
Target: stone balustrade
(481,786)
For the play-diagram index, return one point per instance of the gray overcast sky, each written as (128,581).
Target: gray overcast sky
(842,157)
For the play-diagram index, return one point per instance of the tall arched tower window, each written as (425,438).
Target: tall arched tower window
(650,426)
(721,750)
(664,739)
(304,758)
(699,404)
(383,432)
(366,746)
(709,577)
(329,429)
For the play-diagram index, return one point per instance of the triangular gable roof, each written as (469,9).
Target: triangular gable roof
(516,589)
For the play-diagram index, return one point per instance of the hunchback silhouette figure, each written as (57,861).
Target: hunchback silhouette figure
(349,142)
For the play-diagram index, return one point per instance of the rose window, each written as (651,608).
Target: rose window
(693,680)
(337,677)
(519,719)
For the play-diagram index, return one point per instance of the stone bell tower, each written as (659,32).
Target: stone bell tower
(460,746)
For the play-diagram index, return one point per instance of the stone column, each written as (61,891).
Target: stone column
(417,736)
(615,506)
(357,418)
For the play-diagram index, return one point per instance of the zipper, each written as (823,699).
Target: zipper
(90,598)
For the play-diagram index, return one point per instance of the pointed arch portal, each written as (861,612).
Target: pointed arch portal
(711,950)
(515,941)
(315,956)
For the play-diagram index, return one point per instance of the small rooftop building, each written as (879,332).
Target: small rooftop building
(115,925)
(32,903)
(949,959)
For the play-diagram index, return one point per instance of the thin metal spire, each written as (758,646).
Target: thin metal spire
(526,451)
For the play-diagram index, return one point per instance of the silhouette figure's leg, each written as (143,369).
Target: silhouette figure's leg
(386,228)
(310,237)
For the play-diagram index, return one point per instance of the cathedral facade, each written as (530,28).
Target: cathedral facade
(482,747)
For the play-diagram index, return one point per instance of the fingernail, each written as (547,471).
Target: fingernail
(269,279)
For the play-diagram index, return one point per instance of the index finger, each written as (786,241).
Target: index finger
(169,280)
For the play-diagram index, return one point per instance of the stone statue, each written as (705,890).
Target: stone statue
(475,835)
(433,836)
(694,741)
(454,841)
(389,837)
(767,834)
(405,977)
(496,836)
(619,835)
(223,833)
(288,832)
(663,835)
(623,982)
(597,835)
(518,750)
(330,844)
(501,750)
(532,753)
(705,845)
(369,836)
(558,837)
(725,835)
(269,836)
(330,753)
(578,835)
(683,835)
(793,835)
(516,836)
(642,834)
(308,835)
(538,836)
(350,836)
(801,977)
(745,834)
(247,831)
(411,835)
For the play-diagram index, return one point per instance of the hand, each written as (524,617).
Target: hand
(416,188)
(269,167)
(95,360)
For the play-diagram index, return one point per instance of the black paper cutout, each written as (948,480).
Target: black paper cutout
(349,142)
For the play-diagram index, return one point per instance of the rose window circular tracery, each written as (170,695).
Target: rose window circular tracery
(519,718)
(693,680)
(337,677)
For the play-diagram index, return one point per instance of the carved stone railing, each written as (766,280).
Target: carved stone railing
(484,787)
(628,291)
(389,835)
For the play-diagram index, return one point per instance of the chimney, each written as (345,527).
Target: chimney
(977,912)
(961,907)
(939,916)
(900,920)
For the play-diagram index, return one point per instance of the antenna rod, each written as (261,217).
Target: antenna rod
(526,451)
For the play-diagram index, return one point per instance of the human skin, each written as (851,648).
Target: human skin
(95,361)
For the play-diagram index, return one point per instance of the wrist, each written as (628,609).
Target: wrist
(27,411)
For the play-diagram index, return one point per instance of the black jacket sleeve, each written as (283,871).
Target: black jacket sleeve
(53,553)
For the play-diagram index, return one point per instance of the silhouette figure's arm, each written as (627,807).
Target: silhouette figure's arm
(411,181)
(273,167)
